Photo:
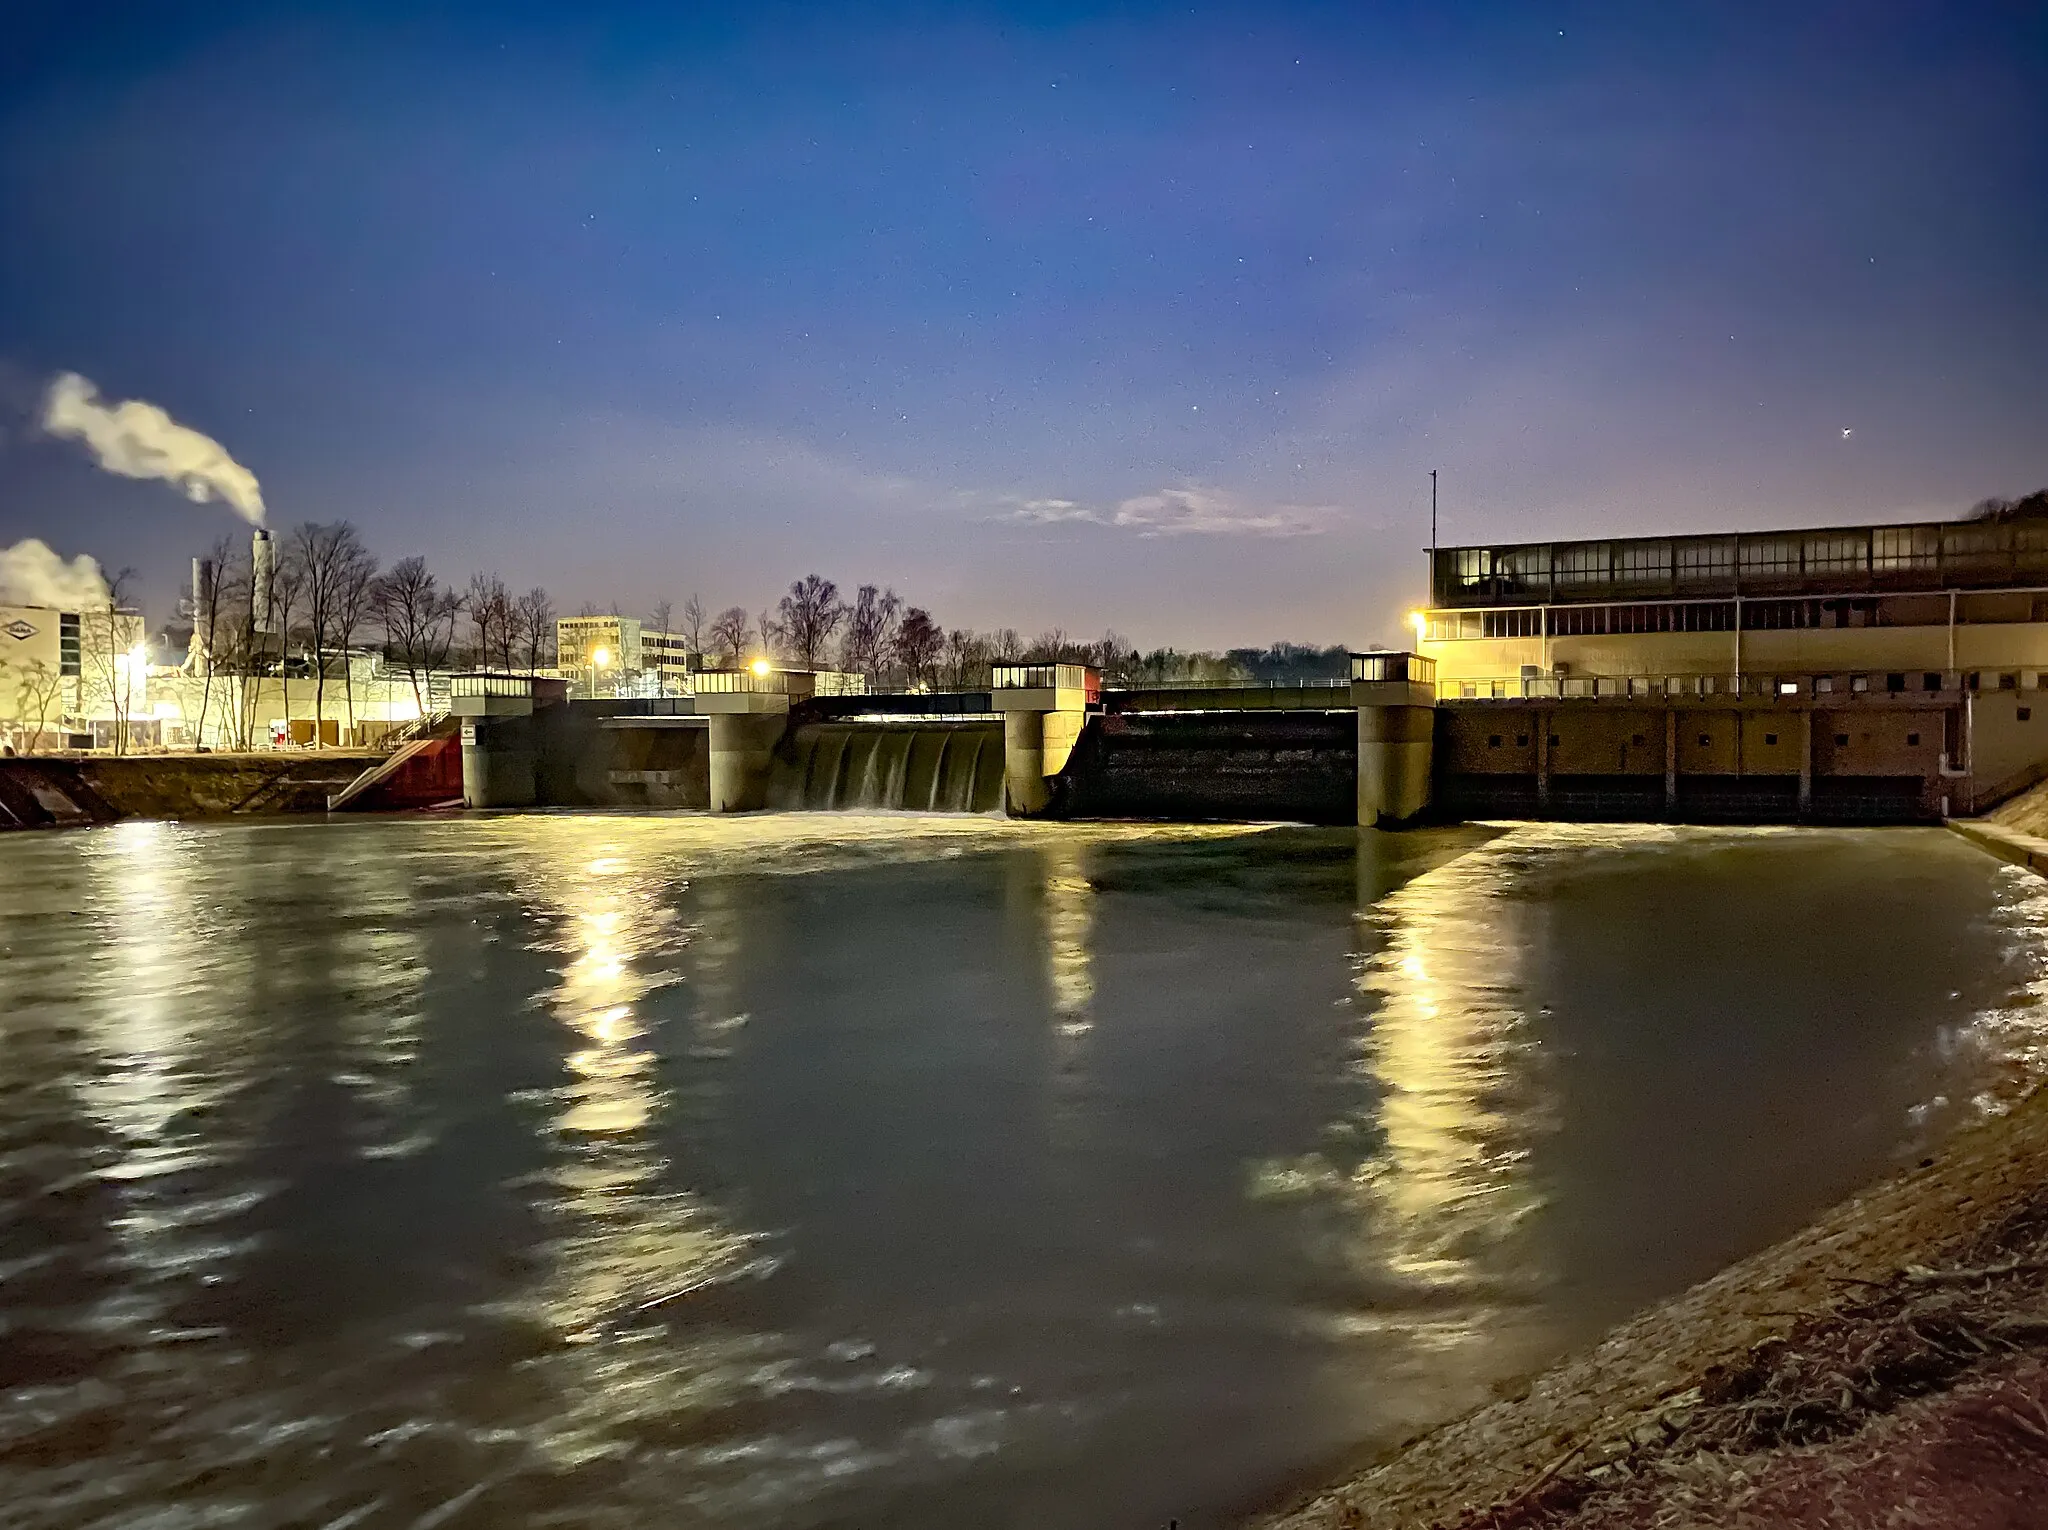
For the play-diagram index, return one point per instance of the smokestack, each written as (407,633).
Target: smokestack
(262,560)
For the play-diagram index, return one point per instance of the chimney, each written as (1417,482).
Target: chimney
(263,562)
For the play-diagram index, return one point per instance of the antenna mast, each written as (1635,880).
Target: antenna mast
(1432,513)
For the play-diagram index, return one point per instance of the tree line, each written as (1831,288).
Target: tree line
(891,643)
(328,599)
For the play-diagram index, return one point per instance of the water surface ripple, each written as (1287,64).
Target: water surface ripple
(558,1170)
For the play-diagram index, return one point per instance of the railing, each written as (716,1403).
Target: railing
(1385,668)
(1692,687)
(745,682)
(490,685)
(1312,682)
(397,738)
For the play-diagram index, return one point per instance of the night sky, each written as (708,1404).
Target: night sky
(1145,318)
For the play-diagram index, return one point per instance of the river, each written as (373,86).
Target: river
(921,1171)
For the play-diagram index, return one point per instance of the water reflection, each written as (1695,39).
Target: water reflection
(1449,1048)
(629,1241)
(384,1174)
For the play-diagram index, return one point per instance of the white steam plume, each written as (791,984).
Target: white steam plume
(139,440)
(32,575)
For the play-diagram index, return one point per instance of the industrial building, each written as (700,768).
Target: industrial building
(1863,672)
(70,678)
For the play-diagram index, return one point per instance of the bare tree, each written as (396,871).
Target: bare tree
(355,581)
(773,635)
(870,626)
(490,619)
(208,627)
(287,599)
(418,619)
(37,687)
(917,645)
(534,615)
(312,551)
(963,650)
(104,645)
(1005,646)
(693,624)
(662,614)
(730,632)
(810,613)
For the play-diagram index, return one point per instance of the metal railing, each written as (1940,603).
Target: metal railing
(745,682)
(1311,682)
(490,685)
(1836,686)
(1039,677)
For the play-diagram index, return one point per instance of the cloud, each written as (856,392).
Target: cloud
(1176,512)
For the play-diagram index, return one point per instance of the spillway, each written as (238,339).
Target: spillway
(933,767)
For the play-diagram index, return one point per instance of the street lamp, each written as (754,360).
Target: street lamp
(761,667)
(600,658)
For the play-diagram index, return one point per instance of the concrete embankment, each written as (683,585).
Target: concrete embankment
(1888,1365)
(57,791)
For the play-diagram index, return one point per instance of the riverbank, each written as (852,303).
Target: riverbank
(1886,1366)
(57,791)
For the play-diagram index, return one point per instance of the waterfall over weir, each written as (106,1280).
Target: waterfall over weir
(937,767)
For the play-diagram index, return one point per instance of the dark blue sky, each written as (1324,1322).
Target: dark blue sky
(1153,318)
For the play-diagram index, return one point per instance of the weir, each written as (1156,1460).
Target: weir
(1383,749)
(931,767)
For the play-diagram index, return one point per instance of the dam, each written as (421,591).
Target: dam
(1392,747)
(1878,674)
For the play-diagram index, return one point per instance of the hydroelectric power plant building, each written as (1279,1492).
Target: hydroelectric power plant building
(1875,674)
(1850,673)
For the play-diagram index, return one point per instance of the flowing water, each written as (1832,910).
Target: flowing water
(605,1171)
(929,767)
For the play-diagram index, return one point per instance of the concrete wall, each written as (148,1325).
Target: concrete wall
(190,786)
(1874,759)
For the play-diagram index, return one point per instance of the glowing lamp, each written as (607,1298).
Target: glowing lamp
(600,656)
(760,666)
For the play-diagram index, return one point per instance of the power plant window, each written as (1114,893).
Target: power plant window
(1930,682)
(2025,713)
(1493,742)
(1704,741)
(1770,738)
(1521,740)
(1912,740)
(1841,740)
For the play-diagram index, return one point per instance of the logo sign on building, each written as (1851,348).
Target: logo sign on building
(19,630)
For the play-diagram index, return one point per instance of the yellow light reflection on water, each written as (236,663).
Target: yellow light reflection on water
(1448,1048)
(630,1239)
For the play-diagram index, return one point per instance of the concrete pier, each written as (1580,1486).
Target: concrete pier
(1044,707)
(749,713)
(1396,700)
(1025,794)
(498,743)
(742,756)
